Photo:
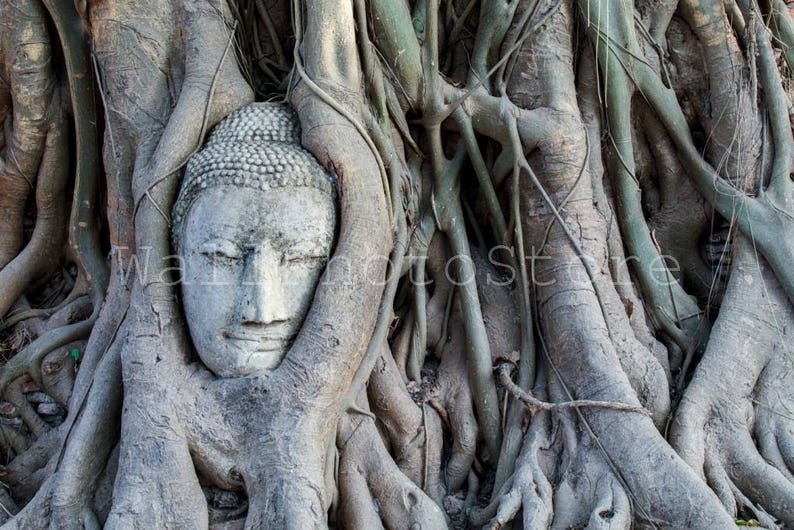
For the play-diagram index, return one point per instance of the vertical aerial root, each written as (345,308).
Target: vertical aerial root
(26,68)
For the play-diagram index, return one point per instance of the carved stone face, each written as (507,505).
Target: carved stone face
(252,261)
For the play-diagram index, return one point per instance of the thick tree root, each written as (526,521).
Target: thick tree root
(528,489)
(373,491)
(413,432)
(739,389)
(27,83)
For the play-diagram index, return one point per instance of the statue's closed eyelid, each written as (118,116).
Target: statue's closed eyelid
(222,248)
(302,252)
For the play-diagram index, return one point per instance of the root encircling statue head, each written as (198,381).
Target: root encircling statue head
(254,224)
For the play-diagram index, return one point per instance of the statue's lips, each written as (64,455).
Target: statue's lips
(259,341)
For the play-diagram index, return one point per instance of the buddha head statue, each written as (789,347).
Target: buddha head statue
(254,224)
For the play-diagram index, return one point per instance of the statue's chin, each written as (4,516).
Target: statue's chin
(236,362)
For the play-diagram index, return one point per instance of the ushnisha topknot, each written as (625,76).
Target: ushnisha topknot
(258,147)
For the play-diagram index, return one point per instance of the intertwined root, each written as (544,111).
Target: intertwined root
(597,467)
(373,491)
(527,489)
(733,426)
(27,92)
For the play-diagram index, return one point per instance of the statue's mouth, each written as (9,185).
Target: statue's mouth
(262,341)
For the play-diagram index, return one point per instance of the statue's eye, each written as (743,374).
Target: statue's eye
(221,248)
(301,254)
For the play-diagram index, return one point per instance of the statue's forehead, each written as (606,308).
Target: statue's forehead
(286,215)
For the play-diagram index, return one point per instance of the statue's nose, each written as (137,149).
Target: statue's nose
(261,297)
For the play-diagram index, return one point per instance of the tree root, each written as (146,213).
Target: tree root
(373,491)
(528,489)
(452,399)
(535,405)
(713,426)
(413,433)
(27,472)
(27,75)
(42,253)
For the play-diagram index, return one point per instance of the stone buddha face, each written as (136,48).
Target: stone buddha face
(254,236)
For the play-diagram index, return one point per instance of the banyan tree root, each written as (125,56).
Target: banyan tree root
(413,432)
(28,100)
(504,101)
(582,328)
(720,416)
(373,492)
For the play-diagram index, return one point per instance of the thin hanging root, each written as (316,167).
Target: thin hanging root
(670,306)
(781,187)
(527,362)
(275,41)
(535,405)
(782,27)
(484,178)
